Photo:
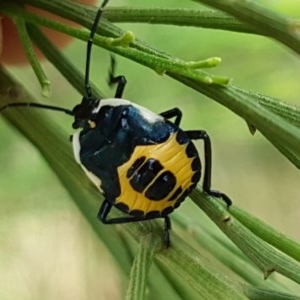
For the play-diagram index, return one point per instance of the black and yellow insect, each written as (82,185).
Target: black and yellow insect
(141,162)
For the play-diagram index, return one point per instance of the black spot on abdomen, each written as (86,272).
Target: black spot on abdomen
(135,166)
(162,186)
(145,174)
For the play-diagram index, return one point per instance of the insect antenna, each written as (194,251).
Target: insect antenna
(37,105)
(88,89)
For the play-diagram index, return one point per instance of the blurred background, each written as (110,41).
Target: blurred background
(42,230)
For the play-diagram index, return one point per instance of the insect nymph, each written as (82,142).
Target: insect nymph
(143,163)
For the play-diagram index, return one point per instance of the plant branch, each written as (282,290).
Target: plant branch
(36,66)
(263,255)
(263,20)
(205,18)
(159,64)
(267,233)
(241,102)
(182,259)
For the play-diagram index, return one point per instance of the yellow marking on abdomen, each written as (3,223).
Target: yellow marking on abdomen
(172,156)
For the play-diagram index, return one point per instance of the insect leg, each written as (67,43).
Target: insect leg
(106,207)
(173,113)
(202,135)
(113,79)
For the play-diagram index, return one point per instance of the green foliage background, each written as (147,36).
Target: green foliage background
(42,230)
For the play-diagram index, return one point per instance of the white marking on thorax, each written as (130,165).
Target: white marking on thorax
(76,149)
(147,114)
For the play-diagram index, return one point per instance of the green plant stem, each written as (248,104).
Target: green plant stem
(263,20)
(263,255)
(222,249)
(36,66)
(151,233)
(158,64)
(252,15)
(284,136)
(184,261)
(287,111)
(255,293)
(139,271)
(267,233)
(61,62)
(205,18)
